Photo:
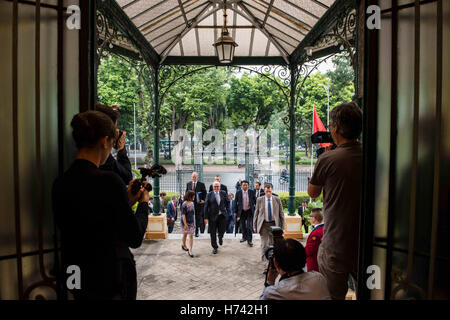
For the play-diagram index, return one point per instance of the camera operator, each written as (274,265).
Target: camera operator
(338,172)
(289,259)
(93,213)
(121,166)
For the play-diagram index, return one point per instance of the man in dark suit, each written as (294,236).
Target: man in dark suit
(222,186)
(301,211)
(162,196)
(171,213)
(216,205)
(238,184)
(150,205)
(258,191)
(231,219)
(244,209)
(199,200)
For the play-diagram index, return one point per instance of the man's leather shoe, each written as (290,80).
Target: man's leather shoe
(220,241)
(250,244)
(242,240)
(215,251)
(196,235)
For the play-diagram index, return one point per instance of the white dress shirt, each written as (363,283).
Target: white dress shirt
(217,197)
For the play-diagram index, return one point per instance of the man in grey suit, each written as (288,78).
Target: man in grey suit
(268,213)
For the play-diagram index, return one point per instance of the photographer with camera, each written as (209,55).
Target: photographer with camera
(288,258)
(94,215)
(338,173)
(121,166)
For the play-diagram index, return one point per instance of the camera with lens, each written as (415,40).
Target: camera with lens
(116,143)
(322,137)
(277,234)
(153,172)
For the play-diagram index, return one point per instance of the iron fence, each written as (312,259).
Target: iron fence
(176,181)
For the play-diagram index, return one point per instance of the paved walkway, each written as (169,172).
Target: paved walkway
(165,272)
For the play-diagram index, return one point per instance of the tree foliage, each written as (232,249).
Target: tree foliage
(314,95)
(119,83)
(252,100)
(219,99)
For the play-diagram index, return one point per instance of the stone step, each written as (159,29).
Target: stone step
(205,236)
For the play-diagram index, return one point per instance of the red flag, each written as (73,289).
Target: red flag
(318,126)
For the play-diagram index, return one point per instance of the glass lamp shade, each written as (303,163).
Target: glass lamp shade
(225,46)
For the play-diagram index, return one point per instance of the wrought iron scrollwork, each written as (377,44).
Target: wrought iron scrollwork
(109,36)
(306,69)
(342,34)
(170,74)
(280,75)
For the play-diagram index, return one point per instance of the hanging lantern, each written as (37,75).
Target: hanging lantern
(225,44)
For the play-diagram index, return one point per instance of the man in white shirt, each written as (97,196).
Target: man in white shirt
(268,213)
(289,258)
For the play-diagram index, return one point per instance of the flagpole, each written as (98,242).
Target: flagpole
(311,169)
(134,125)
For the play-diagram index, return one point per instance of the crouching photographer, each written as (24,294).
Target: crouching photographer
(338,173)
(287,258)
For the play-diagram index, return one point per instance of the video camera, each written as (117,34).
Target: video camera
(277,234)
(322,137)
(155,171)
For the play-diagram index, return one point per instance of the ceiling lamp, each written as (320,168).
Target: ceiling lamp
(225,44)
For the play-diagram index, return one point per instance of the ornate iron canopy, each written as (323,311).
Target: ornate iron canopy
(182,31)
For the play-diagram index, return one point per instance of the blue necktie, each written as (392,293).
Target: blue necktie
(269,209)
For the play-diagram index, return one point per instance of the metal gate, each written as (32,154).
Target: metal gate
(41,91)
(406,152)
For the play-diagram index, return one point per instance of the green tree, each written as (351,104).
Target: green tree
(252,101)
(120,83)
(341,79)
(313,94)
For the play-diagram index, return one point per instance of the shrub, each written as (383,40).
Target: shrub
(299,197)
(315,204)
(168,197)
